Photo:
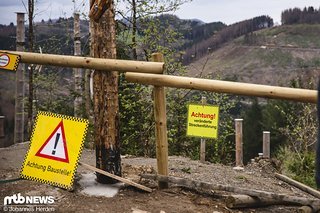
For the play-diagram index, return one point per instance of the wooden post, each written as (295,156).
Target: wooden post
(203,141)
(266,144)
(239,142)
(77,72)
(161,127)
(19,105)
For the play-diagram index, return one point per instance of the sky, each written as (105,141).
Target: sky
(226,11)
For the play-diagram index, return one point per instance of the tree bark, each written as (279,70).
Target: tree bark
(30,68)
(299,185)
(314,203)
(305,209)
(246,201)
(19,95)
(105,98)
(77,72)
(134,30)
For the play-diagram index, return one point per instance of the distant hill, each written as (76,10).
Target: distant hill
(201,47)
(271,56)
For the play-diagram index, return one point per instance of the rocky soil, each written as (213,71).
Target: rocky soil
(257,175)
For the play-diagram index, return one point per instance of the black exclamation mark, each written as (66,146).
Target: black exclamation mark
(55,144)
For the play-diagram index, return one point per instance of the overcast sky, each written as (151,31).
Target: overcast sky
(227,11)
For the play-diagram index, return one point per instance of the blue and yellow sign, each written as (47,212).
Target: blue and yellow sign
(203,121)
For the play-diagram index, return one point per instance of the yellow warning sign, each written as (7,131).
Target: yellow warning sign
(203,121)
(9,61)
(55,148)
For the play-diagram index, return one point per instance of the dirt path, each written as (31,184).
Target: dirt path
(175,199)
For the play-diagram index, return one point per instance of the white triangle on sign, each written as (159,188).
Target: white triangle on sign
(55,147)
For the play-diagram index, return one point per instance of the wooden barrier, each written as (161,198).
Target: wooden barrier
(90,63)
(301,95)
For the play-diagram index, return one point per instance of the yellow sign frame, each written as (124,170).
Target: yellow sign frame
(9,61)
(203,120)
(44,167)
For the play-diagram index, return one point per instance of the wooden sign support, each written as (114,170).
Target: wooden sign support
(203,140)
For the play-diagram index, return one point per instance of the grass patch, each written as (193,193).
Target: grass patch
(276,57)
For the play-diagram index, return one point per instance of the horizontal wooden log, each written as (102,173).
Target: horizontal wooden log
(299,185)
(246,201)
(314,203)
(265,91)
(139,186)
(90,63)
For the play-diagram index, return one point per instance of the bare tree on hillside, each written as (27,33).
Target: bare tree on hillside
(140,9)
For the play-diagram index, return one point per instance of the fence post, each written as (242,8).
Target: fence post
(239,142)
(19,105)
(203,141)
(161,127)
(266,144)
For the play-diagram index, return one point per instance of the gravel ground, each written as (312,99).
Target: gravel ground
(257,175)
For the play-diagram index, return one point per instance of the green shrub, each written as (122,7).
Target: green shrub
(299,166)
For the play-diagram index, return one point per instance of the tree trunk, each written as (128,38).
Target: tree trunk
(105,98)
(77,72)
(246,201)
(30,68)
(298,185)
(19,104)
(134,30)
(284,198)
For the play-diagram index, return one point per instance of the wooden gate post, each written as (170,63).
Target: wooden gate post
(266,144)
(19,105)
(161,127)
(239,142)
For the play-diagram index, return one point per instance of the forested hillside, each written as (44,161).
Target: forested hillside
(214,42)
(271,56)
